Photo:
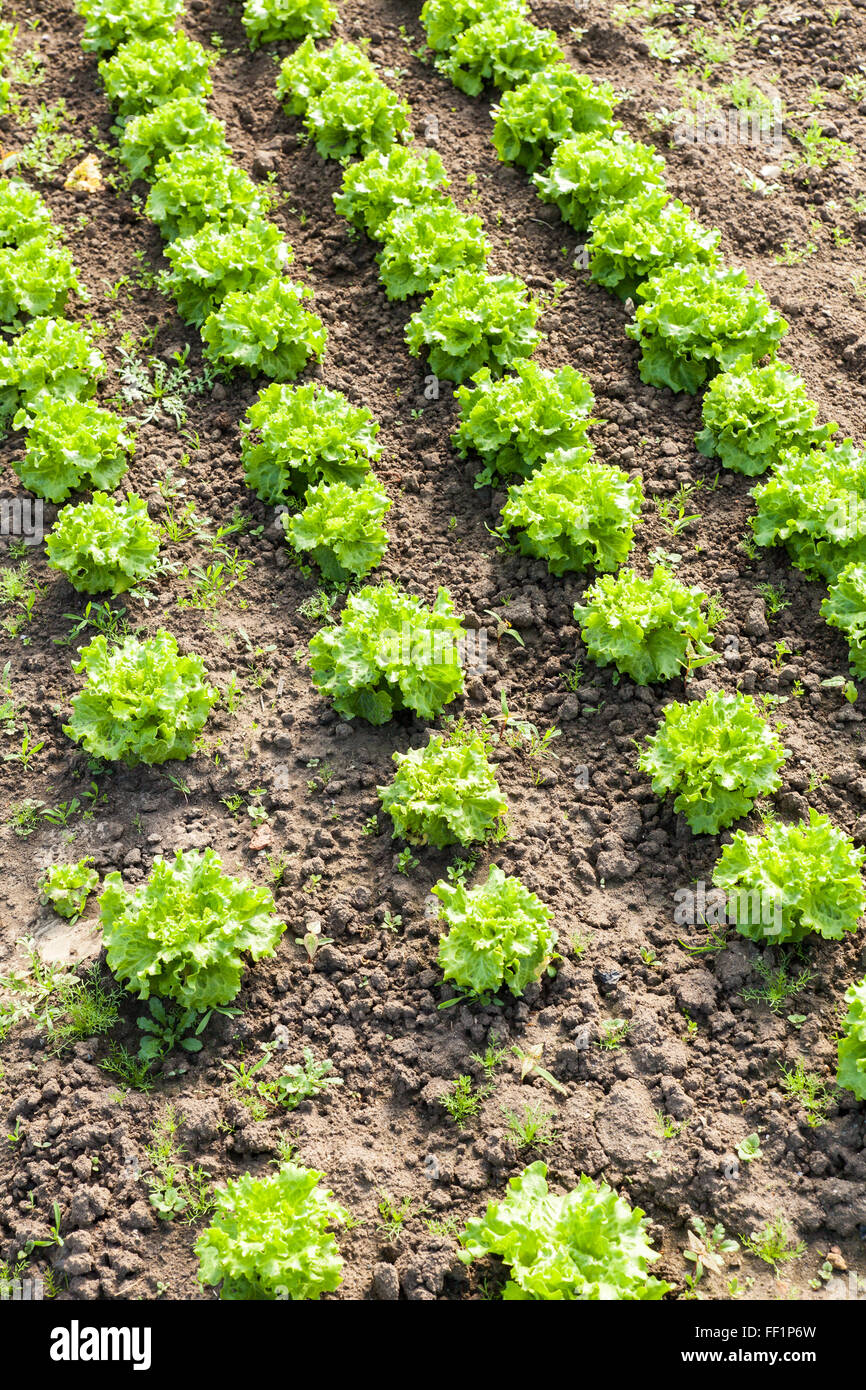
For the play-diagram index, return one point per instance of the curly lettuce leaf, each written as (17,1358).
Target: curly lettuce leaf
(389,652)
(194,188)
(503,49)
(110,22)
(68,886)
(146,72)
(36,279)
(51,357)
(473,320)
(218,261)
(296,435)
(266,329)
(590,172)
(845,608)
(341,528)
(644,235)
(269,1238)
(815,505)
(142,702)
(385,182)
(753,414)
(793,880)
(852,1044)
(574,512)
(499,934)
(588,1245)
(69,445)
(650,629)
(309,71)
(269,21)
(445,20)
(23,213)
(184,933)
(443,794)
(717,754)
(425,243)
(148,139)
(534,117)
(356,116)
(104,546)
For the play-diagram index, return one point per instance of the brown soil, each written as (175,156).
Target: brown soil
(607,855)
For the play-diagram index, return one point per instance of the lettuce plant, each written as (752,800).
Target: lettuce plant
(146,72)
(355,116)
(341,528)
(310,71)
(845,608)
(753,414)
(793,880)
(696,320)
(631,241)
(650,629)
(68,886)
(142,702)
(153,136)
(382,183)
(108,23)
(586,1245)
(425,243)
(269,1237)
(445,20)
(267,21)
(717,754)
(266,329)
(387,653)
(195,188)
(217,261)
(574,512)
(71,445)
(591,171)
(514,422)
(549,107)
(473,320)
(50,357)
(23,213)
(503,49)
(852,1044)
(296,435)
(444,794)
(104,546)
(815,505)
(36,279)
(499,934)
(185,932)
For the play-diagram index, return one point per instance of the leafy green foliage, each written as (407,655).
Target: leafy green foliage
(630,242)
(815,504)
(586,1245)
(142,702)
(380,184)
(70,445)
(388,653)
(217,261)
(443,794)
(717,754)
(503,49)
(852,1045)
(809,873)
(68,886)
(184,933)
(270,1239)
(266,21)
(845,608)
(590,172)
(293,436)
(23,213)
(266,329)
(425,243)
(473,320)
(499,934)
(514,422)
(309,71)
(146,72)
(697,320)
(445,20)
(753,414)
(104,545)
(650,629)
(341,528)
(196,187)
(551,106)
(153,136)
(36,278)
(109,22)
(51,357)
(574,512)
(355,116)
